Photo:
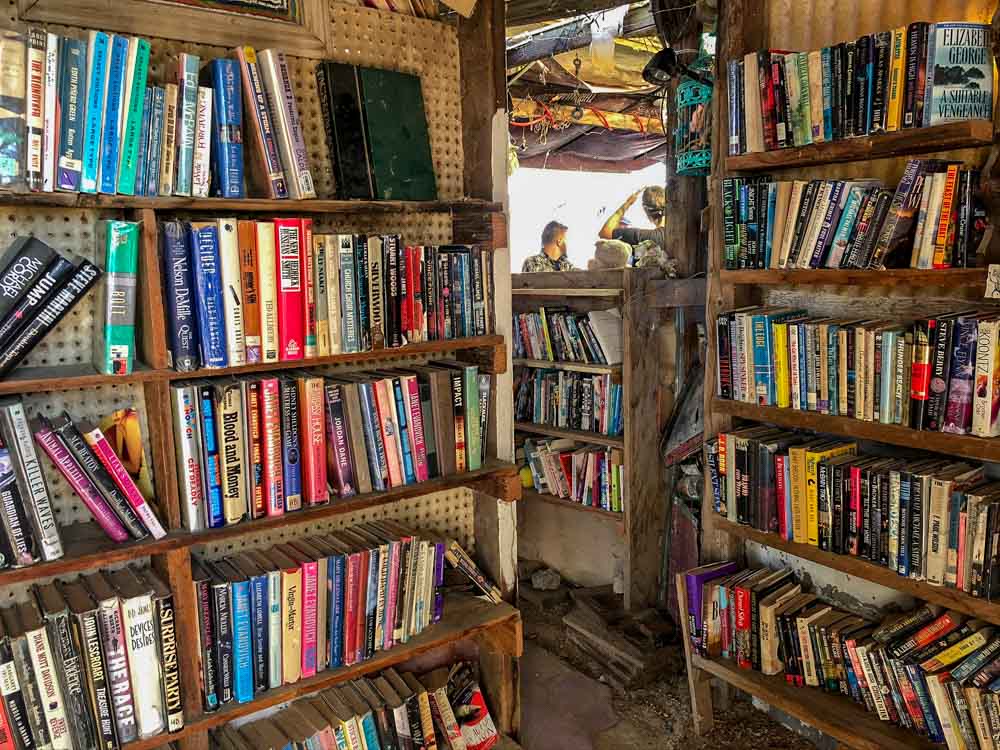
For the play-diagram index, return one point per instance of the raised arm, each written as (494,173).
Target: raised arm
(607,231)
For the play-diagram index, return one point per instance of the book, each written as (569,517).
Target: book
(71,102)
(137,68)
(203,244)
(186,79)
(227,124)
(959,77)
(268,175)
(277,81)
(290,289)
(230,268)
(179,298)
(114,329)
(115,101)
(203,130)
(98,50)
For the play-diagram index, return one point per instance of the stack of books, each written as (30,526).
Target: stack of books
(244,292)
(559,335)
(84,117)
(933,219)
(265,445)
(381,712)
(83,457)
(914,76)
(927,518)
(934,672)
(569,400)
(939,374)
(591,475)
(92,662)
(273,617)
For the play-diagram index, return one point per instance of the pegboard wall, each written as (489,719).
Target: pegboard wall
(450,513)
(21,592)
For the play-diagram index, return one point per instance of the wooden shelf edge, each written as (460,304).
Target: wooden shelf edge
(580,435)
(856,566)
(544,497)
(559,292)
(949,277)
(832,714)
(545,364)
(967,446)
(945,137)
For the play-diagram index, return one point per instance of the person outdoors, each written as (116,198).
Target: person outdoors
(552,256)
(649,246)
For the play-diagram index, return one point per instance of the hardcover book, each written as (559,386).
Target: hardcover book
(117,299)
(960,77)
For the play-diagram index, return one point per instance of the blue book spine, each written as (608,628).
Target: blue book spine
(227,128)
(869,89)
(259,630)
(409,476)
(819,249)
(916,674)
(803,378)
(827,94)
(374,446)
(131,145)
(187,115)
(208,292)
(370,732)
(210,446)
(371,605)
(97,68)
(763,365)
(291,459)
(772,198)
(113,101)
(142,165)
(72,100)
(832,382)
(242,643)
(155,139)
(181,324)
(335,639)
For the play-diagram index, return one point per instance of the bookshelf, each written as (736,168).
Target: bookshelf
(897,294)
(476,507)
(583,545)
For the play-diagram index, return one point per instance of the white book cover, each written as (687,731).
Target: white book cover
(928,220)
(187,445)
(607,328)
(798,187)
(936,561)
(49,688)
(168,144)
(321,291)
(287,124)
(144,663)
(232,292)
(332,249)
(201,169)
(268,289)
(51,115)
(815,224)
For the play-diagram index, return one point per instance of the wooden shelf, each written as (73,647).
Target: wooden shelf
(982,449)
(70,377)
(830,713)
(246,205)
(856,566)
(569,292)
(545,497)
(544,364)
(946,137)
(948,278)
(580,435)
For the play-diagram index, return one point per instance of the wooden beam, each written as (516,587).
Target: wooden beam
(521,12)
(565,37)
(591,116)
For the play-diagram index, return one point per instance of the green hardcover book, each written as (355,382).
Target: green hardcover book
(399,148)
(135,82)
(114,328)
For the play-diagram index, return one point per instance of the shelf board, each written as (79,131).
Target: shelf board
(949,278)
(967,446)
(246,205)
(580,435)
(545,364)
(568,292)
(69,377)
(946,137)
(545,497)
(832,714)
(856,566)
(375,355)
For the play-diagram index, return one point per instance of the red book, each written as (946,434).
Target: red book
(270,411)
(414,418)
(351,608)
(779,491)
(361,607)
(6,731)
(419,312)
(291,290)
(312,440)
(743,627)
(853,541)
(385,405)
(406,292)
(310,287)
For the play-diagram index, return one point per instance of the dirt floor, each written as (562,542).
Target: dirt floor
(560,702)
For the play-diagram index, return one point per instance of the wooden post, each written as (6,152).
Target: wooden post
(152,323)
(699,681)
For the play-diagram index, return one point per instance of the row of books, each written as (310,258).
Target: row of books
(939,374)
(934,672)
(929,519)
(86,459)
(569,400)
(273,617)
(243,292)
(389,711)
(591,475)
(933,219)
(263,446)
(914,76)
(91,662)
(559,335)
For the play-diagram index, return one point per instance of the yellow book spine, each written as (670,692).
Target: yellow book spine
(545,333)
(810,488)
(291,625)
(959,651)
(897,65)
(782,385)
(797,475)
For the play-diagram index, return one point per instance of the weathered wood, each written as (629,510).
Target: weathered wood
(562,280)
(564,113)
(544,364)
(152,333)
(699,684)
(70,377)
(505,486)
(945,137)
(947,278)
(580,435)
(175,569)
(499,675)
(544,497)
(160,429)
(676,293)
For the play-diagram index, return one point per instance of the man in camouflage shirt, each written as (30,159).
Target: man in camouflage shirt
(553,254)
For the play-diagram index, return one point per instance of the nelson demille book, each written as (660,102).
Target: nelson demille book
(179,297)
(959,83)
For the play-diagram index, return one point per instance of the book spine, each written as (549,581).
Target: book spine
(274,485)
(291,459)
(208,284)
(222,624)
(336,571)
(232,450)
(214,512)
(322,292)
(315,489)
(72,72)
(114,329)
(81,483)
(250,288)
(67,662)
(132,117)
(259,631)
(187,443)
(14,705)
(308,288)
(88,639)
(274,629)
(179,297)
(35,108)
(144,663)
(291,619)
(288,126)
(940,370)
(232,292)
(255,447)
(206,642)
(168,144)
(361,287)
(154,144)
(50,114)
(142,165)
(958,407)
(227,128)
(243,683)
(310,595)
(262,126)
(107,177)
(341,468)
(50,688)
(416,422)
(201,163)
(291,293)
(348,295)
(113,639)
(267,273)
(187,118)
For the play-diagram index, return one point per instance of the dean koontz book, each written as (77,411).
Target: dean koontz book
(960,73)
